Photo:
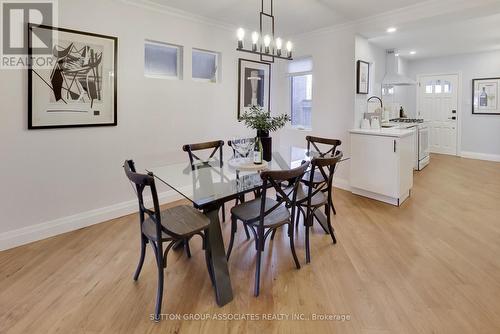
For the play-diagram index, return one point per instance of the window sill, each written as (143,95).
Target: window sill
(299,128)
(162,77)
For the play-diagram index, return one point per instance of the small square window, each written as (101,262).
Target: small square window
(162,60)
(205,65)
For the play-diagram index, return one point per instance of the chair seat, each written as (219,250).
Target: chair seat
(318,199)
(318,177)
(249,213)
(183,220)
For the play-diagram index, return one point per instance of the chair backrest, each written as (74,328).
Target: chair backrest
(214,145)
(325,166)
(331,144)
(141,182)
(286,196)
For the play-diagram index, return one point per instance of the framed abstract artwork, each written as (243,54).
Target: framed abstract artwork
(77,86)
(363,77)
(485,94)
(254,85)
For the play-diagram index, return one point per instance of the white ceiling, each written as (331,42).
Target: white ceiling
(291,16)
(474,27)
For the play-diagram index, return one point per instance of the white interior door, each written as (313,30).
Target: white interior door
(438,102)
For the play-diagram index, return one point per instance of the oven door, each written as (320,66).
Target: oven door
(423,143)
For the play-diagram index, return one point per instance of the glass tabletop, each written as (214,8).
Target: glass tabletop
(209,182)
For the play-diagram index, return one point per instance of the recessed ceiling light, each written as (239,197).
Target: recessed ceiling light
(396,54)
(413,52)
(391,29)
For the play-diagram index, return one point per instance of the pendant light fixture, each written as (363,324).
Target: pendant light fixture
(264,43)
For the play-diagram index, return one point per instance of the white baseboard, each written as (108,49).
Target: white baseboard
(480,156)
(55,227)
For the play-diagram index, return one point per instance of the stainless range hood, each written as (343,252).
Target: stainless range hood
(393,75)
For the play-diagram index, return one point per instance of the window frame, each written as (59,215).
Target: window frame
(217,65)
(180,62)
(290,92)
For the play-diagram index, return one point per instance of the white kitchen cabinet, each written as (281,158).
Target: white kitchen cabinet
(382,164)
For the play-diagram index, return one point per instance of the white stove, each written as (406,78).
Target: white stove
(422,156)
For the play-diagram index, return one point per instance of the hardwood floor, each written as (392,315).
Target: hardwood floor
(431,266)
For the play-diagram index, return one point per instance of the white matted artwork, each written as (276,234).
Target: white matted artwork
(485,96)
(78,87)
(254,86)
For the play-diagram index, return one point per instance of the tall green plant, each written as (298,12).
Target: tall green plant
(259,119)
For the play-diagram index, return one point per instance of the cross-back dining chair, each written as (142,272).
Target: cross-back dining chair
(311,198)
(163,229)
(215,146)
(195,161)
(324,147)
(265,215)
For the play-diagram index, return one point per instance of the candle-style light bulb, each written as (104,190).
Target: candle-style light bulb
(267,42)
(279,45)
(289,47)
(240,33)
(255,40)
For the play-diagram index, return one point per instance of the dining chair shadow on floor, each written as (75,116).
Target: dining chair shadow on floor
(311,198)
(324,147)
(167,228)
(264,215)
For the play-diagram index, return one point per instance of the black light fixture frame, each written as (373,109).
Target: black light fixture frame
(265,57)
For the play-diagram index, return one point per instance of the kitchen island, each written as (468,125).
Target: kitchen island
(382,163)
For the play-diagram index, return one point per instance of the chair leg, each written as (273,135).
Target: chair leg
(257,269)
(246,231)
(188,250)
(292,245)
(308,250)
(141,259)
(159,293)
(223,209)
(330,227)
(234,228)
(333,207)
(273,234)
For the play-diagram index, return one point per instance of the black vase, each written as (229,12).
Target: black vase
(267,144)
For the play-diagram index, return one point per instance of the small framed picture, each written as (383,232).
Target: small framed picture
(254,85)
(363,77)
(485,96)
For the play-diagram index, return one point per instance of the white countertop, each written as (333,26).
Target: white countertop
(385,132)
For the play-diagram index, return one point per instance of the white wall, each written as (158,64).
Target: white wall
(480,133)
(333,89)
(47,175)
(375,55)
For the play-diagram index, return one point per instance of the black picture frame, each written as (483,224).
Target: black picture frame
(268,90)
(31,125)
(359,87)
(475,107)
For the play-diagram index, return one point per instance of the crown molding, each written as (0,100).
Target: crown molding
(175,12)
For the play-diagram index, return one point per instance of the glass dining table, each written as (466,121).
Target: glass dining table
(209,184)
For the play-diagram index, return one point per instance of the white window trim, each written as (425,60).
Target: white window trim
(290,77)
(180,63)
(217,64)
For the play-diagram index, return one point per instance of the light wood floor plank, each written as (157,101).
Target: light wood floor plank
(431,266)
